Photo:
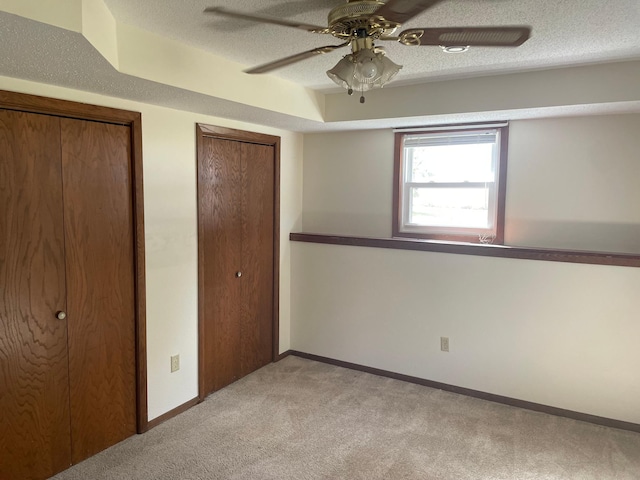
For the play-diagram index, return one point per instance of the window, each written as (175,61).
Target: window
(450,183)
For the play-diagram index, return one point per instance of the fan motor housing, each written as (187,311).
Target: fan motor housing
(358,14)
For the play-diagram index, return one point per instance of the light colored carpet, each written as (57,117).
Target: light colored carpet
(300,419)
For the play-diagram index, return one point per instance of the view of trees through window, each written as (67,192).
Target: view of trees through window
(453,190)
(449,183)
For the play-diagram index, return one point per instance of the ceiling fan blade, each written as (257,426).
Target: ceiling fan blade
(261,19)
(463,36)
(283,62)
(402,10)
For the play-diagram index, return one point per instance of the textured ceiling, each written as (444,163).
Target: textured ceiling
(565,32)
(44,53)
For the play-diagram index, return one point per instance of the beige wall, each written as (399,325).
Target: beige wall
(347,183)
(571,183)
(169,163)
(611,84)
(554,333)
(558,334)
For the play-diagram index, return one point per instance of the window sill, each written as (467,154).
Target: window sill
(502,251)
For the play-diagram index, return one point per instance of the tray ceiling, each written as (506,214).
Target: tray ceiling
(567,32)
(167,52)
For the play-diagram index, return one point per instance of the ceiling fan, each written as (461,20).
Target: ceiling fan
(359,23)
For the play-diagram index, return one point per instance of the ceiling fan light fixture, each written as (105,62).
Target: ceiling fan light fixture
(342,74)
(389,71)
(364,70)
(359,23)
(369,67)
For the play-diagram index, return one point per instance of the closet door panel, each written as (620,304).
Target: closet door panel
(34,406)
(220,198)
(98,222)
(257,255)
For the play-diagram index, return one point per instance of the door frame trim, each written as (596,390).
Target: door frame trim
(82,111)
(210,131)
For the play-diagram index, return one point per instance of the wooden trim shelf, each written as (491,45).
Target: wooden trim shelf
(501,251)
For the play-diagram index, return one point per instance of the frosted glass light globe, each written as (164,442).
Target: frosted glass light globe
(368,69)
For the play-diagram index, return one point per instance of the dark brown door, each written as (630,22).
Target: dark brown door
(34,395)
(98,224)
(220,182)
(257,207)
(68,382)
(236,202)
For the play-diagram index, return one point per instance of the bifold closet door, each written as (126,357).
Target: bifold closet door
(34,391)
(221,199)
(67,326)
(98,225)
(257,212)
(236,190)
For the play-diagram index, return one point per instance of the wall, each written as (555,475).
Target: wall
(347,183)
(555,89)
(571,183)
(559,334)
(169,164)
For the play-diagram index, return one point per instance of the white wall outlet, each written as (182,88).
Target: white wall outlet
(175,363)
(444,344)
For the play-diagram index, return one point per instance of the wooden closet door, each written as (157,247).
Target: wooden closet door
(98,223)
(237,213)
(34,396)
(220,201)
(258,170)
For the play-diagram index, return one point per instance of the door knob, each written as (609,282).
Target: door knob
(61,315)
(238,274)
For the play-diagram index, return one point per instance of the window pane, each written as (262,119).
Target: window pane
(450,207)
(451,163)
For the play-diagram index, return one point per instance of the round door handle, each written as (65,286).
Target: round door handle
(238,274)
(61,315)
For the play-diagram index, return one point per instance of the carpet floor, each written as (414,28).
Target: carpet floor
(299,419)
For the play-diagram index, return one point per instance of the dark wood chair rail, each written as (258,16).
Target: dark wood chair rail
(502,251)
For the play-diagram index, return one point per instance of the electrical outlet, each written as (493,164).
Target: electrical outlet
(175,363)
(444,344)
